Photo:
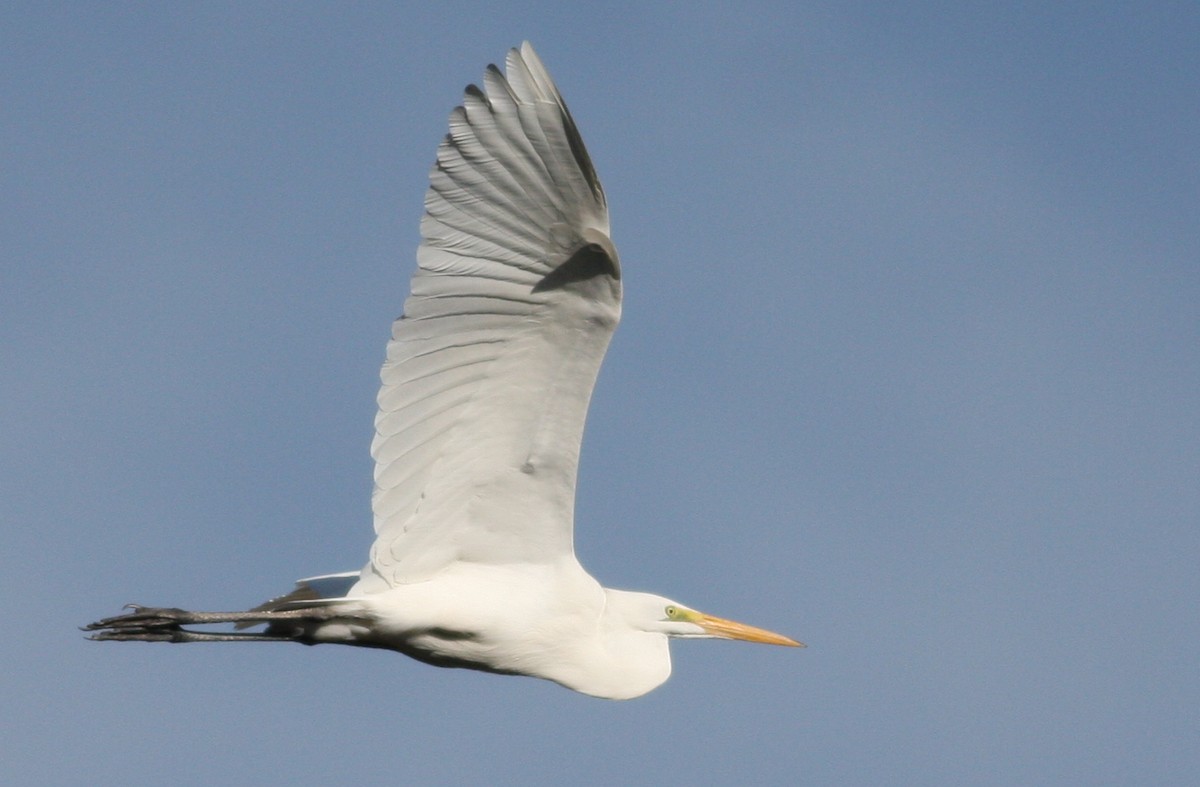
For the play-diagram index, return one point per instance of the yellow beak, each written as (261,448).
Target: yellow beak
(729,629)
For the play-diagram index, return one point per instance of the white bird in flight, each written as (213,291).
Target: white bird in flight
(485,390)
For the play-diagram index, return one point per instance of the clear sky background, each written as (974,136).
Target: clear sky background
(909,369)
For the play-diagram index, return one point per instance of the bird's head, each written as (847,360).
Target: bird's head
(663,616)
(633,656)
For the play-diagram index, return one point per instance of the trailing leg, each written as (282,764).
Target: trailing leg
(165,624)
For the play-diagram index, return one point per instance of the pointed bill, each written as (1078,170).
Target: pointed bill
(730,629)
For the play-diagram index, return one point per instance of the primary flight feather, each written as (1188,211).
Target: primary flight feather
(485,391)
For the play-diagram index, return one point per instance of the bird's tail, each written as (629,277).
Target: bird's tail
(310,592)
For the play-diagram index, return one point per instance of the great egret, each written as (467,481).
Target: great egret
(485,389)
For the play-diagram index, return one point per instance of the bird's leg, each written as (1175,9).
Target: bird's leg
(165,624)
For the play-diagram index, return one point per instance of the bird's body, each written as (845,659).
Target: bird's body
(550,620)
(485,391)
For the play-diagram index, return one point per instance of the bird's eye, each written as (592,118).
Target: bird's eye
(672,612)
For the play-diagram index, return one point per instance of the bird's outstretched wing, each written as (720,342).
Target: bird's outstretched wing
(490,368)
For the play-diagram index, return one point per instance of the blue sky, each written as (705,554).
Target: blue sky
(908,370)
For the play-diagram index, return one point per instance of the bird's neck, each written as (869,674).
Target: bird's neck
(618,661)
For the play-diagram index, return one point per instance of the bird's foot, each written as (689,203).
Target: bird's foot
(144,624)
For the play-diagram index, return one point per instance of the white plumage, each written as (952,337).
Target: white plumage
(485,391)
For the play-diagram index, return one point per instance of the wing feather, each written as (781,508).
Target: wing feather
(491,366)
